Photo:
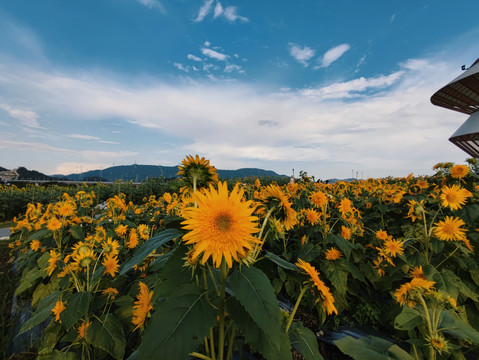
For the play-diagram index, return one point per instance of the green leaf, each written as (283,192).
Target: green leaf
(107,333)
(62,355)
(77,232)
(280,261)
(309,252)
(28,279)
(76,308)
(43,311)
(460,329)
(255,337)
(53,333)
(304,340)
(344,245)
(256,294)
(336,274)
(43,290)
(371,348)
(408,319)
(177,325)
(147,248)
(38,235)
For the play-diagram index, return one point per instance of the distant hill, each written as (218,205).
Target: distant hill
(25,174)
(139,173)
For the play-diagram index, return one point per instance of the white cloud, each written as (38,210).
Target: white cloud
(181,67)
(214,54)
(333,54)
(353,88)
(204,10)
(218,10)
(231,14)
(93,138)
(232,67)
(153,4)
(26,117)
(193,57)
(301,54)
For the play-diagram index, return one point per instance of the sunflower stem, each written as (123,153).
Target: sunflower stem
(200,356)
(452,253)
(221,336)
(229,356)
(212,345)
(296,306)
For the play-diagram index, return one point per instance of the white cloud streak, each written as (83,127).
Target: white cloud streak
(333,54)
(26,117)
(193,57)
(153,4)
(214,54)
(204,10)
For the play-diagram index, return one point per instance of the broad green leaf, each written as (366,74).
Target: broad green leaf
(177,325)
(77,232)
(62,355)
(344,245)
(53,333)
(43,290)
(76,308)
(460,329)
(280,261)
(337,275)
(28,279)
(408,319)
(309,252)
(355,272)
(304,340)
(43,311)
(255,337)
(107,333)
(38,235)
(256,294)
(371,348)
(147,248)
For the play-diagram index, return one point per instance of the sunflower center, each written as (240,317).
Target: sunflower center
(223,222)
(451,197)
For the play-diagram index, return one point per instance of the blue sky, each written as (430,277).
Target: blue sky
(333,88)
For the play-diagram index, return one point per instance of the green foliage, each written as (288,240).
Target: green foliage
(371,348)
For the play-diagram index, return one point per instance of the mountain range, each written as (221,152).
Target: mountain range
(136,173)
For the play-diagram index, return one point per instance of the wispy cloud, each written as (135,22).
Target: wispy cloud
(26,117)
(214,54)
(204,10)
(353,88)
(153,4)
(333,54)
(193,57)
(231,14)
(92,138)
(233,68)
(301,54)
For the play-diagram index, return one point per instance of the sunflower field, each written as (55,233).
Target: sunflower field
(232,270)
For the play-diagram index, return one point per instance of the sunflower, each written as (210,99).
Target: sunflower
(221,226)
(324,292)
(454,196)
(382,235)
(450,229)
(416,210)
(345,207)
(459,171)
(84,259)
(417,272)
(274,198)
(319,199)
(333,254)
(65,208)
(35,245)
(100,234)
(110,292)
(132,239)
(110,247)
(111,265)
(52,262)
(143,231)
(438,343)
(82,329)
(197,172)
(121,230)
(58,309)
(393,247)
(81,247)
(345,232)
(407,292)
(54,224)
(312,216)
(142,306)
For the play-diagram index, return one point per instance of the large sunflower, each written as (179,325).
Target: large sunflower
(450,229)
(459,171)
(221,225)
(454,196)
(274,198)
(324,292)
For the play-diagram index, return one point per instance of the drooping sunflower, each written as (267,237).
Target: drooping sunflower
(142,306)
(417,272)
(85,259)
(110,247)
(52,262)
(450,229)
(459,171)
(221,226)
(83,328)
(406,294)
(454,196)
(324,292)
(132,239)
(393,247)
(276,200)
(58,309)
(110,293)
(143,231)
(197,172)
(416,210)
(333,254)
